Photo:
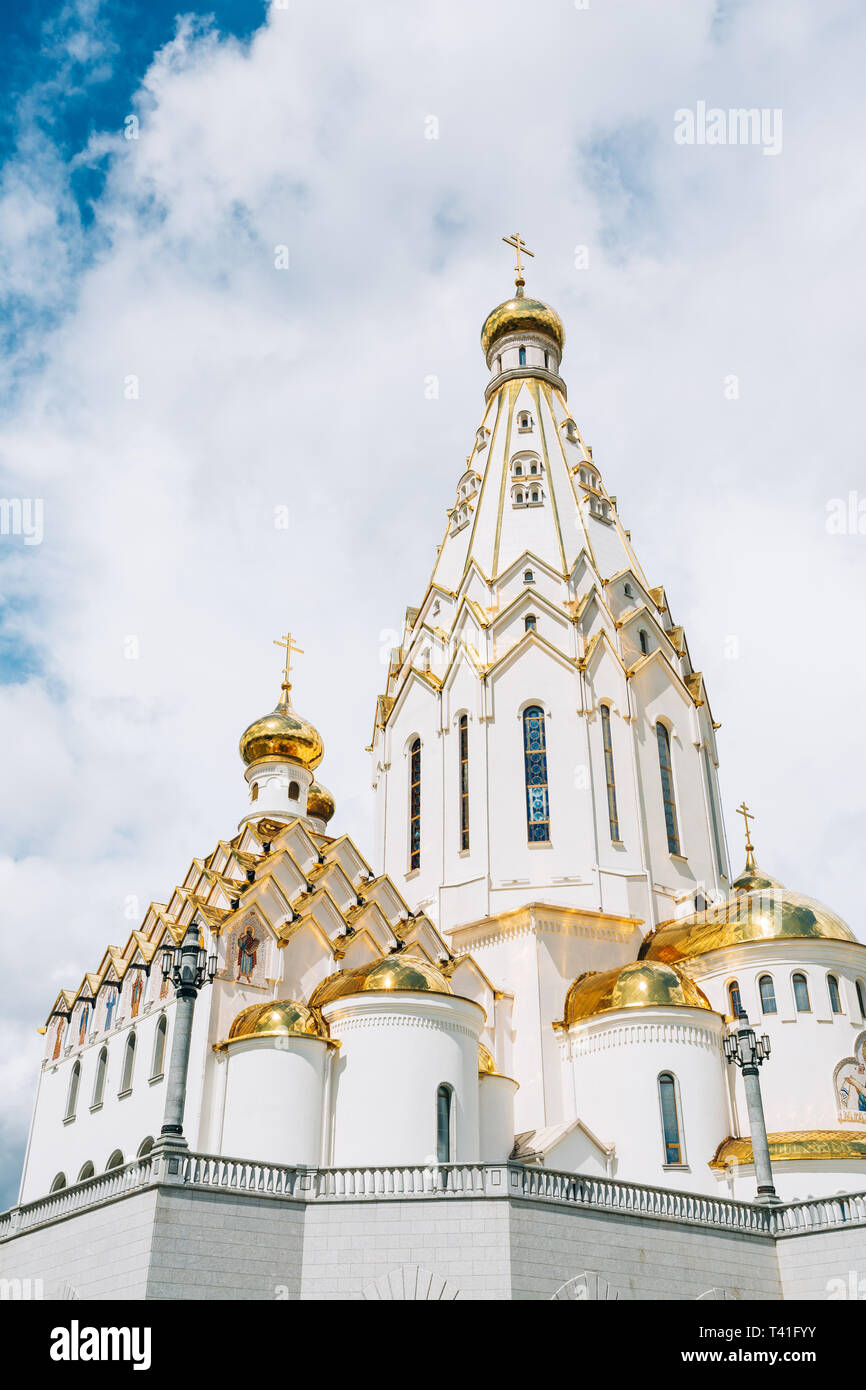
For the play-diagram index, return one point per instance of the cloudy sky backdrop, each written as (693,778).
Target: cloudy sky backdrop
(136,638)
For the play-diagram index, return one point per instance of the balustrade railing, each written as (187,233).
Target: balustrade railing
(440,1181)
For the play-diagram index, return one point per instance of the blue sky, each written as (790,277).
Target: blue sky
(152,262)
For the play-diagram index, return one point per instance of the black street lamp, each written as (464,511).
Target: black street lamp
(188,967)
(746,1050)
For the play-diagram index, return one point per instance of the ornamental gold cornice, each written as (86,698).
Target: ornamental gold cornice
(791,1146)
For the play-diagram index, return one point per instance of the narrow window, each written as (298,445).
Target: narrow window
(72,1093)
(644,642)
(533,468)
(518,470)
(415,805)
(530,623)
(613,818)
(717,838)
(159,1049)
(464,781)
(664,742)
(547,360)
(626,588)
(518,496)
(294,791)
(499,364)
(861,998)
(670,1118)
(833,990)
(801,994)
(535,494)
(535,767)
(59,1183)
(99,1083)
(254,792)
(443,1124)
(768,994)
(128,1064)
(521,357)
(528,577)
(734,999)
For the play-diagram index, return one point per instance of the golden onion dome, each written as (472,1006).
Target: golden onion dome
(773,914)
(390,973)
(278,1018)
(521,315)
(638,985)
(486,1064)
(320,803)
(282,734)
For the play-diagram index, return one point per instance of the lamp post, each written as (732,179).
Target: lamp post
(747,1051)
(188,966)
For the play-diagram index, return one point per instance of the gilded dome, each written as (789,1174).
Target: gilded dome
(486,1064)
(773,914)
(320,803)
(391,973)
(521,315)
(282,734)
(278,1018)
(638,985)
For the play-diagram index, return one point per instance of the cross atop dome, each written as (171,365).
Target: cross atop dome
(288,644)
(516,240)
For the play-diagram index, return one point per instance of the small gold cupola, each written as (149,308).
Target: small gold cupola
(281,749)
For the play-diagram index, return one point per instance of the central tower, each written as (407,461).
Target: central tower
(543,737)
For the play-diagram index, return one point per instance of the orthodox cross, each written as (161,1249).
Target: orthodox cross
(290,647)
(516,240)
(743,810)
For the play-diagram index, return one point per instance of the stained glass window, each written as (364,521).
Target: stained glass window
(670,1119)
(535,766)
(664,742)
(415,805)
(612,816)
(464,781)
(768,994)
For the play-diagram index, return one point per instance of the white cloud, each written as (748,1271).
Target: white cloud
(261,387)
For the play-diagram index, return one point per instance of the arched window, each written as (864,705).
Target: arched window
(518,496)
(861,998)
(294,791)
(626,588)
(613,818)
(666,770)
(734,999)
(535,770)
(128,1064)
(59,1183)
(88,1171)
(528,577)
(644,642)
(768,994)
(547,360)
(145,1147)
(99,1081)
(254,792)
(535,494)
(158,1060)
(415,804)
(801,994)
(670,1118)
(533,467)
(116,1161)
(72,1093)
(521,356)
(530,623)
(518,470)
(443,1124)
(833,991)
(463,751)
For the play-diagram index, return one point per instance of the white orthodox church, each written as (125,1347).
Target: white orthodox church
(535,970)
